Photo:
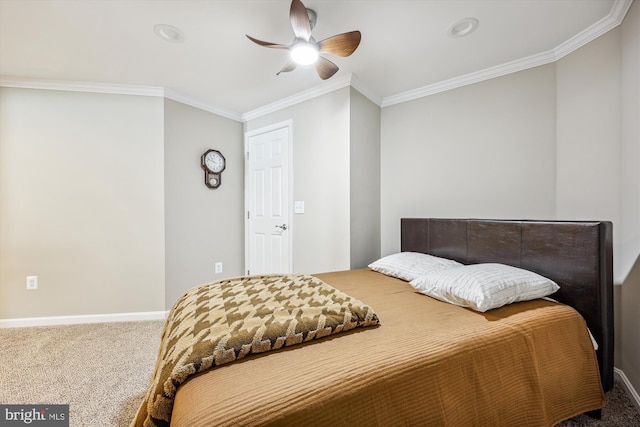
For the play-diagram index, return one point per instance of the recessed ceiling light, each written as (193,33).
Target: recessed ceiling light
(463,27)
(169,33)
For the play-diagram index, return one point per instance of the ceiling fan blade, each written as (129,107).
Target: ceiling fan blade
(267,44)
(342,44)
(289,67)
(300,20)
(325,68)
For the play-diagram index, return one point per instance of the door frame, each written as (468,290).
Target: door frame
(247,135)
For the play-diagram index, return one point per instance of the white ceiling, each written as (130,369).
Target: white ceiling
(405,50)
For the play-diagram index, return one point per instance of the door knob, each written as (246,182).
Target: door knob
(282,227)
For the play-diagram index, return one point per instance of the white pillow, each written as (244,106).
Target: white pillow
(410,265)
(484,287)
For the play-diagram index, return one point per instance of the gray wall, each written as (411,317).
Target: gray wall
(336,157)
(81,203)
(485,151)
(321,173)
(102,197)
(559,141)
(365,180)
(599,162)
(202,226)
(588,136)
(629,309)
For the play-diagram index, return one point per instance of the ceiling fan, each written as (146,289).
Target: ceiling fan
(304,50)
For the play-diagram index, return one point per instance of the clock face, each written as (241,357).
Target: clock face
(214,161)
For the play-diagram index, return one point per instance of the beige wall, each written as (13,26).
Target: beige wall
(484,151)
(81,203)
(321,160)
(202,226)
(365,180)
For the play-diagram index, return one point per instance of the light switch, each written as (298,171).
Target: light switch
(298,207)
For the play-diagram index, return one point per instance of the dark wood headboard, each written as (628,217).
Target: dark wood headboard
(577,255)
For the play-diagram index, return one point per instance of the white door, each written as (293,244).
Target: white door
(268,204)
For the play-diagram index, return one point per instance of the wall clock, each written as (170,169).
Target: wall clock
(213,163)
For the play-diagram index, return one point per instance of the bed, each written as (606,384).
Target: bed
(433,363)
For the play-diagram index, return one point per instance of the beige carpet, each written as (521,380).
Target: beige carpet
(102,371)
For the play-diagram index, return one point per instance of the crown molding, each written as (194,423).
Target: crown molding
(138,90)
(113,89)
(177,96)
(471,78)
(322,89)
(612,20)
(365,91)
(71,86)
(615,17)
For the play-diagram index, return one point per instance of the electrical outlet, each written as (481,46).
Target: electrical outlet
(218,267)
(32,282)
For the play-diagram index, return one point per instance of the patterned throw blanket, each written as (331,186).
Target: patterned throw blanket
(224,321)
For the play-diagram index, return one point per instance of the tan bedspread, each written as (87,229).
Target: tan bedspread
(428,364)
(227,320)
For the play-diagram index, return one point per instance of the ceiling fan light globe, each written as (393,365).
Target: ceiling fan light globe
(304,53)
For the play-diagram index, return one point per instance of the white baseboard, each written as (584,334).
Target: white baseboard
(628,387)
(89,318)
